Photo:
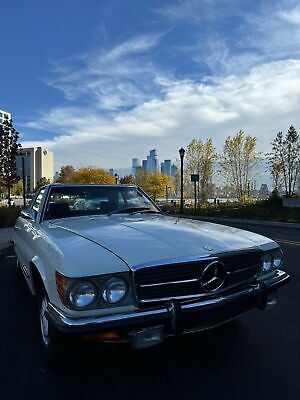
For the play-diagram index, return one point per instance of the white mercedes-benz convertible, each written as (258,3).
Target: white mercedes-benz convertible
(103,260)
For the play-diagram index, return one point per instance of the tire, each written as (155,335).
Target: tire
(52,340)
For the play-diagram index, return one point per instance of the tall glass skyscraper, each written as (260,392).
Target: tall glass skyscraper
(165,167)
(152,162)
(135,164)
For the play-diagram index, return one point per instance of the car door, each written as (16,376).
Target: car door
(26,235)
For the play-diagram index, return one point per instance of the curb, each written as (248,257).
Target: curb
(293,225)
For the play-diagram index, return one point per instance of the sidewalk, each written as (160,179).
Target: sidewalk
(5,237)
(226,220)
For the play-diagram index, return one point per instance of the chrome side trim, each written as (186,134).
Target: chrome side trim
(168,283)
(186,297)
(242,269)
(197,296)
(44,202)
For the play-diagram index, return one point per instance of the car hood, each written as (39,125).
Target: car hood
(140,239)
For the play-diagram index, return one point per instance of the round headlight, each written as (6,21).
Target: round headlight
(114,290)
(277,258)
(82,294)
(267,262)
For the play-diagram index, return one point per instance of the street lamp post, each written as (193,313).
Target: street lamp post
(181,153)
(116,178)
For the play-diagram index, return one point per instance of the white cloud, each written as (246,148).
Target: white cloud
(111,78)
(291,15)
(261,33)
(262,102)
(120,104)
(275,30)
(195,10)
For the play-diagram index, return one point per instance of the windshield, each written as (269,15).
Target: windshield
(74,201)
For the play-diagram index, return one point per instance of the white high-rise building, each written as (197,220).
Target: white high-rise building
(4,115)
(38,163)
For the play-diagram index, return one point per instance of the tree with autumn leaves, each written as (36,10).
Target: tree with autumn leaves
(238,161)
(199,159)
(284,160)
(154,183)
(236,164)
(88,175)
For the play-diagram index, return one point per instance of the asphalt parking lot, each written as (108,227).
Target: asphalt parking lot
(256,357)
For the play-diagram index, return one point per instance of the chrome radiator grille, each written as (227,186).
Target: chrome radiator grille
(183,279)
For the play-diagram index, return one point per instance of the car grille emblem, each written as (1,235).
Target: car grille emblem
(213,276)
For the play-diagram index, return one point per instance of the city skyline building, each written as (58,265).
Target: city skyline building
(135,163)
(264,191)
(165,167)
(153,161)
(144,165)
(174,170)
(151,164)
(38,163)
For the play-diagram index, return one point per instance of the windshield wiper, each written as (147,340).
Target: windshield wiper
(148,211)
(128,209)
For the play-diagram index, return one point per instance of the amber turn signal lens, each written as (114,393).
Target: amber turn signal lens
(61,283)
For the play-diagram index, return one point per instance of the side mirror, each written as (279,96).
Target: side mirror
(29,214)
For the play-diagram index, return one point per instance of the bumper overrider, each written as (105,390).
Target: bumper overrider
(177,317)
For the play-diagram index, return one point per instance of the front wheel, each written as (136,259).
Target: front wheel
(52,340)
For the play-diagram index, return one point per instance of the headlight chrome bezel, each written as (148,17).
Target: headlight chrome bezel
(71,293)
(280,253)
(66,286)
(269,263)
(108,286)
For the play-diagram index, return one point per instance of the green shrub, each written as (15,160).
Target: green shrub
(274,199)
(270,210)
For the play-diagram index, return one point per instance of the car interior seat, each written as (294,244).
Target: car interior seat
(58,210)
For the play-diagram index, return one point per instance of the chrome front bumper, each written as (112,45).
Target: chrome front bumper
(177,317)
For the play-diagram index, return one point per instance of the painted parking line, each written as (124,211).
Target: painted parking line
(284,241)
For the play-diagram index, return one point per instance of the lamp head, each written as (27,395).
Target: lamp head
(181,152)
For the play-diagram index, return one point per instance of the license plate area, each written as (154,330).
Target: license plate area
(147,337)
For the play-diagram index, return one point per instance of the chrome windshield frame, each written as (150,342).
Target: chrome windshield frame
(48,189)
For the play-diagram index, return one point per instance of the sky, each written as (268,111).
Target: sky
(101,81)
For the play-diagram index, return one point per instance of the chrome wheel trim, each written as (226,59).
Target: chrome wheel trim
(44,322)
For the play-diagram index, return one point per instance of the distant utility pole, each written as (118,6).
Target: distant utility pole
(167,193)
(181,154)
(23,182)
(195,179)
